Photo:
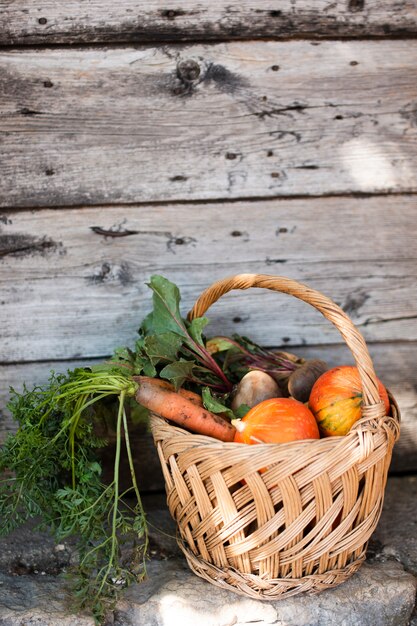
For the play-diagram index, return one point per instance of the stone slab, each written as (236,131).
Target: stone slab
(396,533)
(379,594)
(382,593)
(36,600)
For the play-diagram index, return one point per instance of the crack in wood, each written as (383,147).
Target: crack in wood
(113,233)
(285,110)
(178,179)
(280,134)
(23,245)
(269,261)
(29,112)
(118,231)
(380,320)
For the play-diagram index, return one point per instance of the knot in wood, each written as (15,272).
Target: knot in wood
(356,5)
(188,70)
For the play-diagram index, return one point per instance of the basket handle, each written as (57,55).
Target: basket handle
(373,407)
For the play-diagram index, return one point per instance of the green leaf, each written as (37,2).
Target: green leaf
(123,368)
(215,405)
(141,362)
(182,341)
(242,410)
(196,327)
(147,328)
(219,344)
(124,354)
(149,370)
(162,347)
(166,307)
(95,467)
(177,372)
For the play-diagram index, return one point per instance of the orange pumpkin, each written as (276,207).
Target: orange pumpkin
(336,400)
(277,420)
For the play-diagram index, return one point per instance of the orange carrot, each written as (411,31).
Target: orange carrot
(185,393)
(191,396)
(166,402)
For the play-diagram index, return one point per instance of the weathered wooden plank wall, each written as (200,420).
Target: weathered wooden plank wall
(82,272)
(229,120)
(74,21)
(210,154)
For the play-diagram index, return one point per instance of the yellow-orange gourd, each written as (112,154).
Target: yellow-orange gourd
(336,400)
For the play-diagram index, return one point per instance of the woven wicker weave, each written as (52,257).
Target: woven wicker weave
(301,524)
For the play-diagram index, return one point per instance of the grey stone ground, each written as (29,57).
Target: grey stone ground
(382,593)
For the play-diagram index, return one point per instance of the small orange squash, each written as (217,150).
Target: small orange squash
(336,400)
(277,420)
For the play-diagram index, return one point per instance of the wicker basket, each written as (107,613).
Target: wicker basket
(304,523)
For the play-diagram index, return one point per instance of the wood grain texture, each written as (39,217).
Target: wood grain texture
(394,364)
(75,21)
(72,281)
(232,120)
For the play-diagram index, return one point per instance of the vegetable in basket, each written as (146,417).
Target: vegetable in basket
(336,400)
(278,420)
(301,381)
(182,409)
(254,387)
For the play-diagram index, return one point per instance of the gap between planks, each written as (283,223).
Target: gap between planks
(127,43)
(58,21)
(210,201)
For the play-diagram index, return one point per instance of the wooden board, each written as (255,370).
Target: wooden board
(72,282)
(394,363)
(74,21)
(231,120)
